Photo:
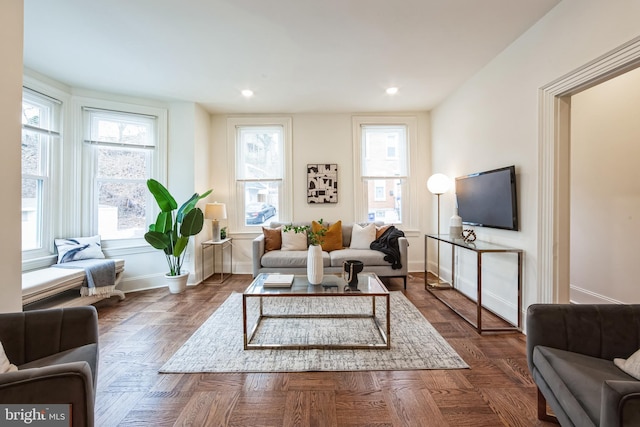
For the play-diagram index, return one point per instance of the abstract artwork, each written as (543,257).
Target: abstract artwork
(322,183)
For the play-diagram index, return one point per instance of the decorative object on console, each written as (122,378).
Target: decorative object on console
(173,222)
(455,224)
(223,233)
(469,236)
(322,183)
(215,212)
(438,184)
(351,268)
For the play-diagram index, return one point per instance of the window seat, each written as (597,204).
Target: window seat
(47,287)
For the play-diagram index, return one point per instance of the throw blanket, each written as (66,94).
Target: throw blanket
(388,243)
(100,275)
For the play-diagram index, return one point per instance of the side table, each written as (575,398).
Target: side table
(221,247)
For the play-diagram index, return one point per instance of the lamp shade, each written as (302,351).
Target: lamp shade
(215,211)
(438,183)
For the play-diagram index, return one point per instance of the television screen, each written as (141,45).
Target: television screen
(488,199)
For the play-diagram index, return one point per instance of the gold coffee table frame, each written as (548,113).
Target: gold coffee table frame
(333,286)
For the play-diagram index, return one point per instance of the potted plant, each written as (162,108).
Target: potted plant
(172,230)
(315,270)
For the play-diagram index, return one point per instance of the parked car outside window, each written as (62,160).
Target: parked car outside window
(257,213)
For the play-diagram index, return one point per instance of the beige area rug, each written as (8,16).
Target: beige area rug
(217,345)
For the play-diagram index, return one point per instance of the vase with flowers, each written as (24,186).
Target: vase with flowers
(315,270)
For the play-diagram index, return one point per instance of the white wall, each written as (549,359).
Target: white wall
(492,120)
(605,192)
(322,138)
(11,41)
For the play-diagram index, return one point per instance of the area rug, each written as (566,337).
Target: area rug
(217,345)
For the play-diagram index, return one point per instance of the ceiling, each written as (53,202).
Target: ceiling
(296,55)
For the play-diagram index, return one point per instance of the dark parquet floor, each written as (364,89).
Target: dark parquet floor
(139,334)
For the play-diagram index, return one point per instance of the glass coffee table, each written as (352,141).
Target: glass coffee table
(256,309)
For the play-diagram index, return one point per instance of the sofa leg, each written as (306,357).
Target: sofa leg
(405,282)
(543,415)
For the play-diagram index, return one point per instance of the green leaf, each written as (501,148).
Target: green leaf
(180,246)
(192,223)
(164,222)
(165,200)
(157,240)
(190,204)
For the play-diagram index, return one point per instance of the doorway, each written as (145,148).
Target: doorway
(554,160)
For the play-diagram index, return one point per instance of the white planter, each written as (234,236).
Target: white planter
(314,265)
(177,284)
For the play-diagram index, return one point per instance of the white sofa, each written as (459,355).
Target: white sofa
(295,262)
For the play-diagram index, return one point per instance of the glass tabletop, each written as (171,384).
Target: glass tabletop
(332,284)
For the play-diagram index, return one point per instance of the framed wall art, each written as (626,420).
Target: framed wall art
(322,183)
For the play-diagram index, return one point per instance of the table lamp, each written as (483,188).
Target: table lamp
(215,211)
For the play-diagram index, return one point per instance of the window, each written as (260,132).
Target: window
(121,148)
(40,139)
(382,146)
(261,164)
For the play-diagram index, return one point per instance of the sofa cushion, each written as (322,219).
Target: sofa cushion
(290,259)
(362,236)
(332,239)
(380,229)
(272,238)
(576,381)
(5,364)
(78,248)
(367,256)
(292,241)
(631,365)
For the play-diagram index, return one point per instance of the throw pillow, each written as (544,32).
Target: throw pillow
(631,365)
(292,241)
(381,229)
(78,248)
(332,240)
(361,237)
(272,239)
(5,365)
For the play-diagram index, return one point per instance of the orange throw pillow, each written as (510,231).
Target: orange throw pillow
(333,236)
(381,229)
(272,239)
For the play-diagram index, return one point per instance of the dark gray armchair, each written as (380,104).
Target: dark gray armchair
(56,351)
(570,352)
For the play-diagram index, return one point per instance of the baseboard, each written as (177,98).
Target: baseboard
(584,296)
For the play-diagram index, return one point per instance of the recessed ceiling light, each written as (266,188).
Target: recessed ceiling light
(247,93)
(392,90)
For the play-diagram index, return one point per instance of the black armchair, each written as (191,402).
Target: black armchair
(56,351)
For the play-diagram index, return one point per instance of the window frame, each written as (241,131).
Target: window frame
(51,177)
(409,218)
(157,167)
(236,196)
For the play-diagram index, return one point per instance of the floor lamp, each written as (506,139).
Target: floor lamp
(438,184)
(215,212)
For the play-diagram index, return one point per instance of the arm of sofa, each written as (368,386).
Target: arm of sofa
(67,383)
(403,245)
(620,404)
(258,251)
(605,331)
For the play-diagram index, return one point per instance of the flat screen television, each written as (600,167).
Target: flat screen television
(488,199)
